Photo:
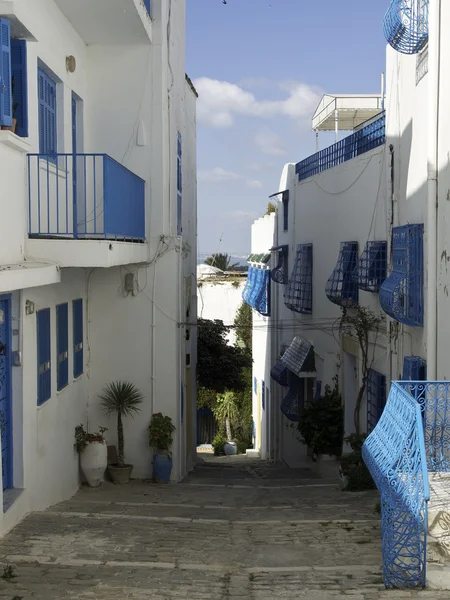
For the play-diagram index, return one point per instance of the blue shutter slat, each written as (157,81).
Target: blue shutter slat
(47,114)
(5,74)
(62,345)
(44,362)
(20,97)
(78,365)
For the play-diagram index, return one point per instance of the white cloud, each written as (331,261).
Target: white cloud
(240,215)
(219,175)
(270,143)
(220,101)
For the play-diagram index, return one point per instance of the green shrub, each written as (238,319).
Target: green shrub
(218,443)
(321,423)
(353,466)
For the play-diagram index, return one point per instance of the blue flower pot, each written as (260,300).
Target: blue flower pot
(162,467)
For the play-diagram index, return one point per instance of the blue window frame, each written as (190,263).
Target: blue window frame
(372,266)
(47,114)
(43,356)
(147,5)
(341,287)
(285,210)
(20,85)
(179,187)
(62,345)
(78,362)
(5,74)
(298,293)
(376,398)
(401,294)
(255,385)
(414,368)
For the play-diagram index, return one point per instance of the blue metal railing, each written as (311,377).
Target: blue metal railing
(86,196)
(406,25)
(395,455)
(369,137)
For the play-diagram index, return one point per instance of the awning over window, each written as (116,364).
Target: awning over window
(299,357)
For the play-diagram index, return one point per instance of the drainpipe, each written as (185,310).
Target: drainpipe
(432,183)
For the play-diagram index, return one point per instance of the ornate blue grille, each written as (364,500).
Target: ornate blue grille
(376,398)
(369,137)
(262,304)
(341,288)
(414,368)
(279,373)
(406,25)
(279,273)
(395,455)
(371,270)
(293,402)
(298,293)
(299,357)
(249,284)
(401,294)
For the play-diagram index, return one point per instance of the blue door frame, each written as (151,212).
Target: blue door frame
(74,166)
(6,391)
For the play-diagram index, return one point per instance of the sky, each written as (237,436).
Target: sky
(260,68)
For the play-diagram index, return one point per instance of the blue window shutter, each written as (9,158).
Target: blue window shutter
(20,97)
(78,363)
(62,345)
(147,5)
(47,114)
(43,352)
(5,75)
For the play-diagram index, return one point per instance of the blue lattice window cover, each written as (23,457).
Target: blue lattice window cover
(376,398)
(372,266)
(293,402)
(414,368)
(262,304)
(279,373)
(279,274)
(401,294)
(406,25)
(341,287)
(256,292)
(298,292)
(251,273)
(299,357)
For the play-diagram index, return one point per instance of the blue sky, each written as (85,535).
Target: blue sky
(260,67)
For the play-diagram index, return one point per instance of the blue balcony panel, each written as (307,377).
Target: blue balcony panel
(367,138)
(84,196)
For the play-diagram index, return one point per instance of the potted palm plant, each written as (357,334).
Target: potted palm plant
(93,453)
(160,439)
(225,411)
(123,398)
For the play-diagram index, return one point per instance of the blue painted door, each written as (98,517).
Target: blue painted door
(5,391)
(74,165)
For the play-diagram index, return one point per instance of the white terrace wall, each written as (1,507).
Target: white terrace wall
(220,300)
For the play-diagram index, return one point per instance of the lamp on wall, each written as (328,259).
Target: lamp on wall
(29,307)
(71,63)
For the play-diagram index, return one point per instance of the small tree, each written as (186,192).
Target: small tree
(221,261)
(226,410)
(243,323)
(271,208)
(359,322)
(123,398)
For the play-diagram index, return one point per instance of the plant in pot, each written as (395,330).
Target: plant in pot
(226,411)
(15,106)
(160,439)
(93,453)
(123,398)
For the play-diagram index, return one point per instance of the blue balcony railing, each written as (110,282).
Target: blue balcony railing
(84,196)
(411,439)
(369,137)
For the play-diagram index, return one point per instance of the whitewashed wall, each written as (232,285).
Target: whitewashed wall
(220,300)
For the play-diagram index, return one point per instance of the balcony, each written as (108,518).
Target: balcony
(106,22)
(85,210)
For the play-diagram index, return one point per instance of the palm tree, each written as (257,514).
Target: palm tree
(123,398)
(226,410)
(221,261)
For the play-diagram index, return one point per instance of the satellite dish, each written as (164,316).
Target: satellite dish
(71,63)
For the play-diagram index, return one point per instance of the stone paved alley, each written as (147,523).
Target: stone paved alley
(236,529)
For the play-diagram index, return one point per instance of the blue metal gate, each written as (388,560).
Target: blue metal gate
(5,391)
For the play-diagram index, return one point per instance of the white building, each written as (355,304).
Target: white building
(361,222)
(98,248)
